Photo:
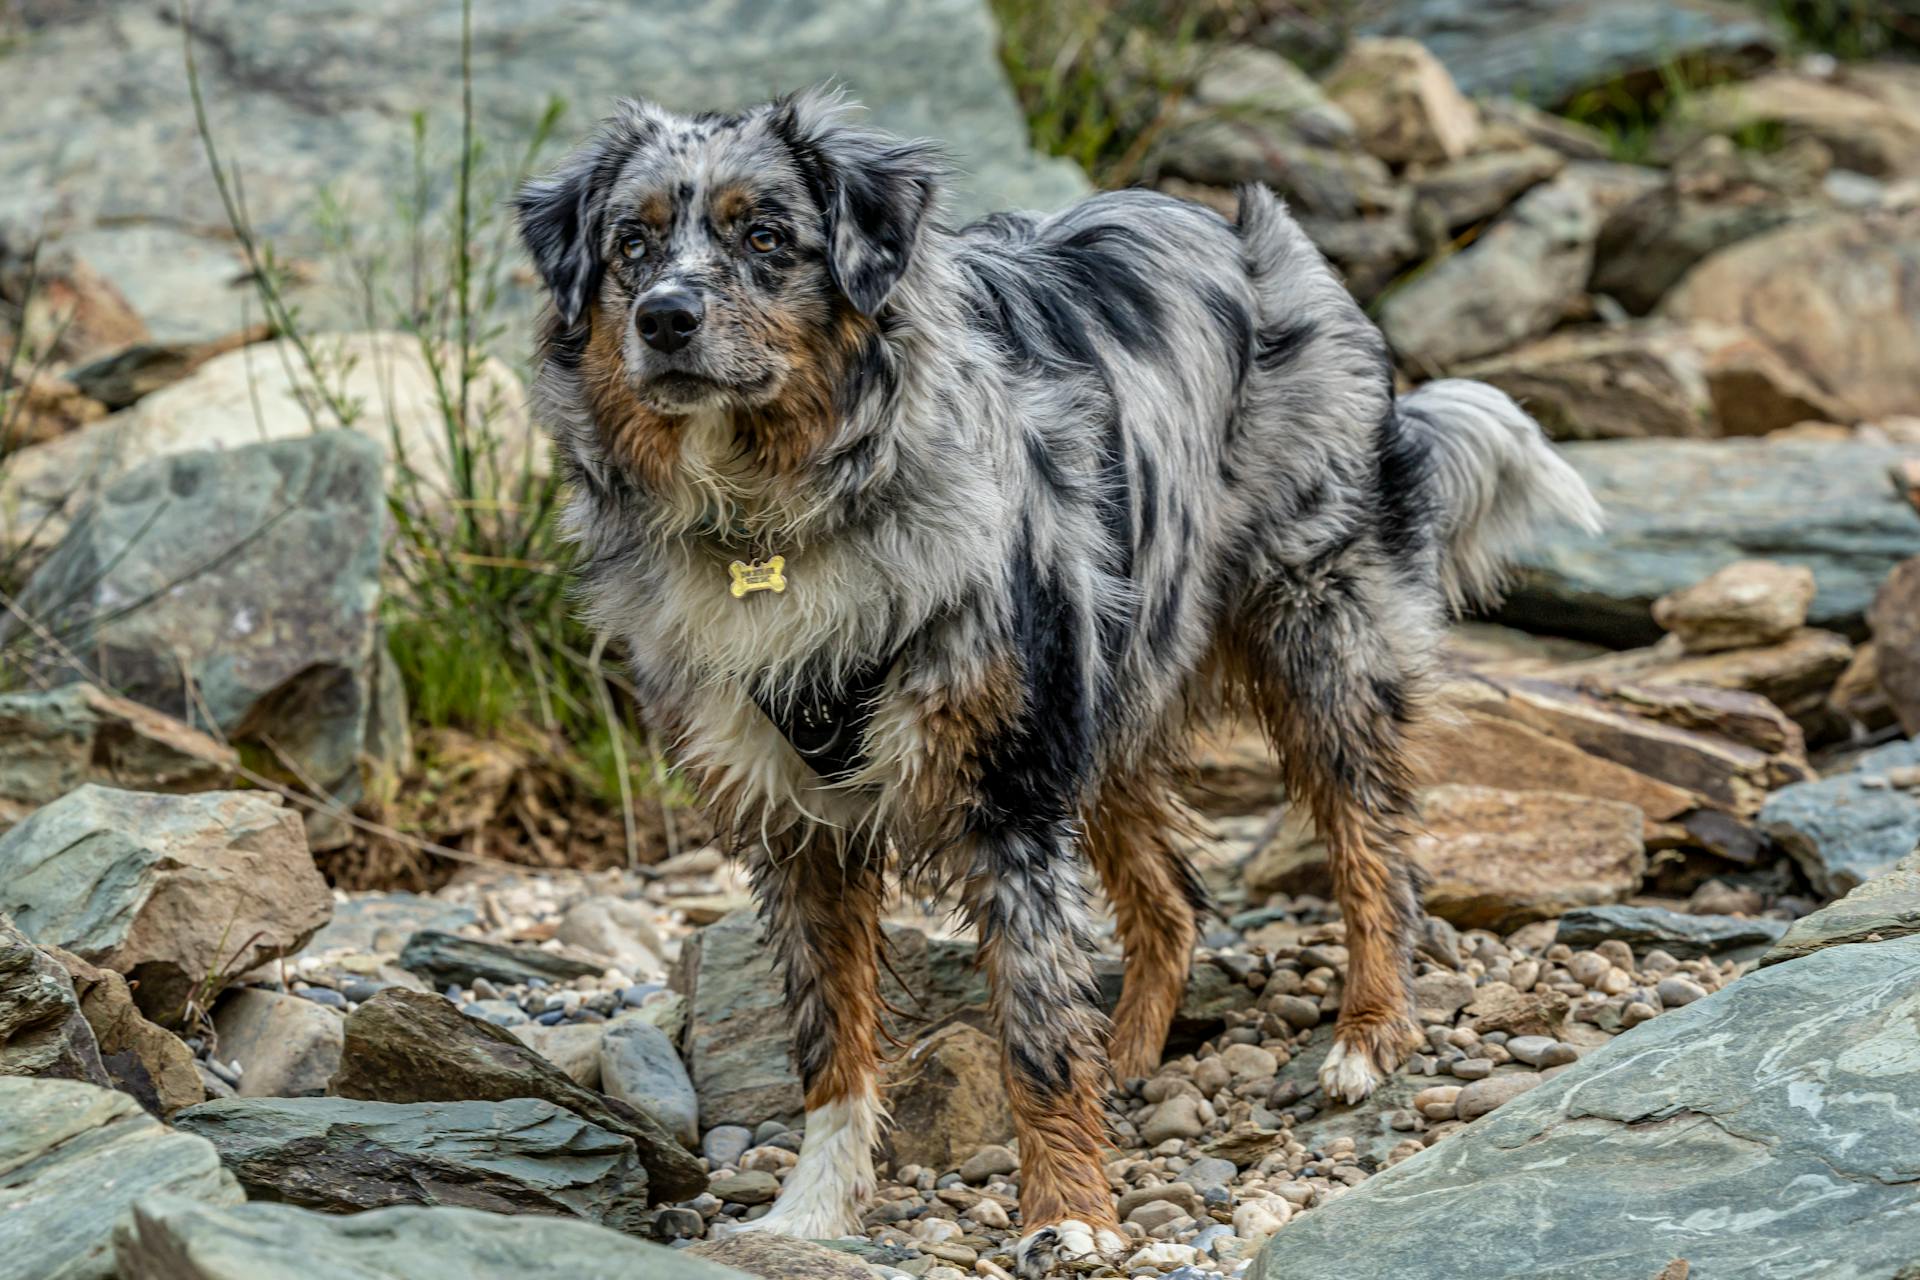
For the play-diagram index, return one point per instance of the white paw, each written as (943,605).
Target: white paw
(803,1222)
(1072,1240)
(1348,1074)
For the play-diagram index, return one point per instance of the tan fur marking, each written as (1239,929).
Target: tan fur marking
(657,211)
(789,431)
(646,441)
(954,727)
(844,923)
(729,203)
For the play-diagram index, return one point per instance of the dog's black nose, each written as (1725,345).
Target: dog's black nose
(667,321)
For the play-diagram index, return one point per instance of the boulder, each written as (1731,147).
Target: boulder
(167,1238)
(1745,694)
(1404,106)
(236,590)
(1758,1131)
(443,958)
(42,1031)
(1863,132)
(1548,52)
(142,1059)
(178,893)
(1473,187)
(1837,297)
(1895,619)
(773,1257)
(341,1155)
(1846,829)
(285,1046)
(1682,936)
(948,1098)
(73,1157)
(133,373)
(1255,84)
(1885,907)
(1499,859)
(73,312)
(638,1065)
(1317,181)
(1748,603)
(61,738)
(403,1046)
(1607,384)
(1677,510)
(1516,281)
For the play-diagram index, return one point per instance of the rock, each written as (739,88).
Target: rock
(260,564)
(286,1047)
(74,312)
(1438,996)
(303,113)
(1743,694)
(772,1257)
(72,1158)
(1750,602)
(1177,1117)
(638,1065)
(1681,936)
(1515,282)
(1548,53)
(1836,297)
(1895,618)
(42,1031)
(1606,384)
(1756,391)
(41,407)
(1669,1127)
(1473,187)
(1498,859)
(948,1099)
(1405,107)
(443,958)
(341,1155)
(1318,182)
(1255,84)
(382,922)
(725,1144)
(574,1047)
(1482,1096)
(1677,991)
(402,1046)
(1370,249)
(178,893)
(59,739)
(620,931)
(1844,830)
(167,1238)
(1860,130)
(749,1187)
(1885,907)
(133,373)
(1499,1006)
(143,1060)
(1677,510)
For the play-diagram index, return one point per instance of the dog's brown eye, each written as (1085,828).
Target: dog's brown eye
(633,247)
(764,240)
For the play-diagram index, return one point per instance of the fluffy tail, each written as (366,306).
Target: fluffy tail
(1496,482)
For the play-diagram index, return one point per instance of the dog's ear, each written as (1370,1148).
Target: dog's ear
(563,215)
(876,191)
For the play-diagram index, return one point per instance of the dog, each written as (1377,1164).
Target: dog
(930,546)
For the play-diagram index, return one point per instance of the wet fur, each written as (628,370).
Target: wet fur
(1082,479)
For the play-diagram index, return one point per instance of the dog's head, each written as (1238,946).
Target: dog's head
(720,259)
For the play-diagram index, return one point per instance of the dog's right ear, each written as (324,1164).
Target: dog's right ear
(563,215)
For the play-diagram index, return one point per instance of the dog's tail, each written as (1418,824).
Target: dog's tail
(1495,482)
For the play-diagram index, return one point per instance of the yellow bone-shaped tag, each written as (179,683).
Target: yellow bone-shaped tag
(761,575)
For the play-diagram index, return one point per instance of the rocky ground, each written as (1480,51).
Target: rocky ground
(1670,819)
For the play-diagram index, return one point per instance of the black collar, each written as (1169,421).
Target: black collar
(826,723)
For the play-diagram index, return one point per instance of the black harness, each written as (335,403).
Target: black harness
(826,723)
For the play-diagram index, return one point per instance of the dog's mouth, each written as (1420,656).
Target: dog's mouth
(684,390)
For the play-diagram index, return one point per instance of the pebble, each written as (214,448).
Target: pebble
(678,1224)
(1297,1011)
(1482,1096)
(768,1129)
(1177,1117)
(990,1214)
(501,1013)
(359,991)
(1210,1173)
(485,990)
(1164,1255)
(1156,1213)
(751,1187)
(1677,991)
(322,995)
(725,1144)
(985,1163)
(1472,1068)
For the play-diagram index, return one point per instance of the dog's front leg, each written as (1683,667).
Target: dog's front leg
(1025,896)
(822,904)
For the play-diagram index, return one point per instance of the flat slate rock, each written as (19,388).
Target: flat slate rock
(300,105)
(343,1155)
(1846,829)
(1885,907)
(42,1030)
(72,1158)
(168,1238)
(1683,936)
(442,958)
(382,922)
(1763,1133)
(407,1046)
(1678,510)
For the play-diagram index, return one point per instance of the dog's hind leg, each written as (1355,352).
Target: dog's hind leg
(821,903)
(1156,899)
(1336,662)
(1025,896)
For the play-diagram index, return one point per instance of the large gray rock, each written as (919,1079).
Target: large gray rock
(285,1046)
(1849,828)
(640,1066)
(57,739)
(72,1158)
(522,1155)
(1548,50)
(1762,1132)
(1677,510)
(167,1238)
(1679,935)
(300,105)
(179,893)
(42,1031)
(1887,906)
(444,958)
(235,590)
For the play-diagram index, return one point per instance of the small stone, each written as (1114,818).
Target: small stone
(1296,1011)
(1482,1096)
(752,1187)
(285,1047)
(985,1163)
(1471,1068)
(1156,1213)
(1209,1172)
(1177,1117)
(1746,604)
(1256,1220)
(1249,1062)
(990,1214)
(724,1144)
(1636,1012)
(1676,991)
(767,1131)
(678,1224)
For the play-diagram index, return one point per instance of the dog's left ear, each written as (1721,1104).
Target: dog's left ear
(563,215)
(876,190)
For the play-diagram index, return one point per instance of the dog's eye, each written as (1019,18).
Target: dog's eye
(764,239)
(633,247)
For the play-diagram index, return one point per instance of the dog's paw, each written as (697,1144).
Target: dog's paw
(802,1222)
(1362,1057)
(1051,1248)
